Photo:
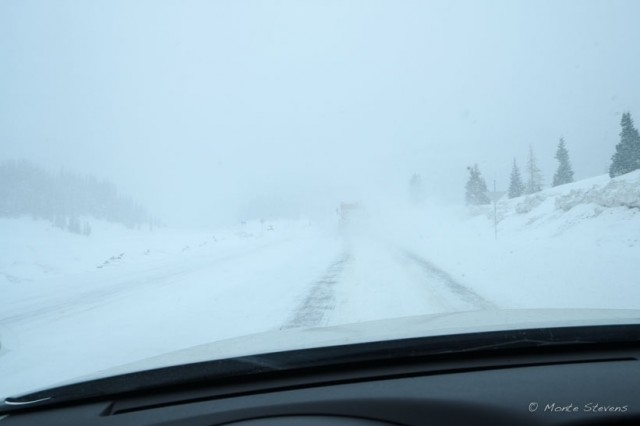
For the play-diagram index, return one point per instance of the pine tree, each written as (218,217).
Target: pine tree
(476,188)
(534,177)
(564,174)
(627,156)
(516,187)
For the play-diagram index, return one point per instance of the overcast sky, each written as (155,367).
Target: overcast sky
(198,107)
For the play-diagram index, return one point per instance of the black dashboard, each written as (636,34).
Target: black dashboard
(556,385)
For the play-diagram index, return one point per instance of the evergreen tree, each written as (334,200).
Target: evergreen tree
(28,190)
(564,174)
(516,187)
(627,156)
(476,188)
(534,176)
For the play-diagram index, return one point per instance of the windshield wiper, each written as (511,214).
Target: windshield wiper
(361,354)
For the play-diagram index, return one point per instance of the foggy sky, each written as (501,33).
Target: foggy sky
(199,107)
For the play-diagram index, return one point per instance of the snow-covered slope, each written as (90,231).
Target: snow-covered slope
(575,245)
(33,250)
(581,203)
(71,305)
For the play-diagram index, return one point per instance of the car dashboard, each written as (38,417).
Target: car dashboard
(585,384)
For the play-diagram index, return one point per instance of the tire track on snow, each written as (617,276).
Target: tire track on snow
(461,291)
(321,299)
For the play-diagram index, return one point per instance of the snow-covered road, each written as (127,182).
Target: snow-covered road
(320,300)
(91,321)
(373,279)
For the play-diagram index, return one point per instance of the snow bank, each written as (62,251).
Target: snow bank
(571,246)
(619,192)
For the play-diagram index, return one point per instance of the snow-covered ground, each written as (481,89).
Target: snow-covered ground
(72,305)
(169,290)
(572,246)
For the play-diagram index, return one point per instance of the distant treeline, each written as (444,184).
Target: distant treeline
(28,190)
(625,159)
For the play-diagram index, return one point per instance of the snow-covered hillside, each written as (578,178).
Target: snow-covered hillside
(31,251)
(575,245)
(73,304)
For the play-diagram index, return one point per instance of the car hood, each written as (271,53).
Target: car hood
(382,330)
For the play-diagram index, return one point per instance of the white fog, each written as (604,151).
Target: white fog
(196,108)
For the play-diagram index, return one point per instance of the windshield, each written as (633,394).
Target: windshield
(180,173)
